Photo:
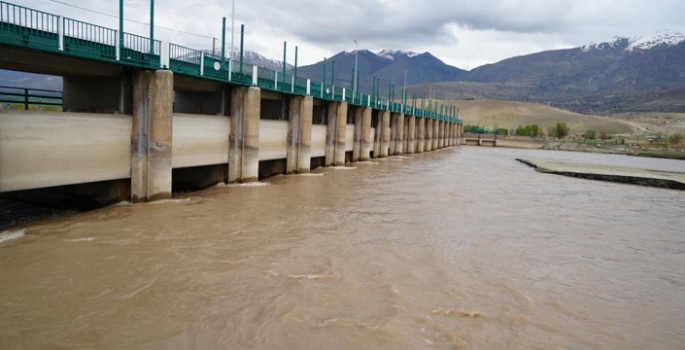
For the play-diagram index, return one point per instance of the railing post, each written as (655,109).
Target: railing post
(368,102)
(309,87)
(292,84)
(255,75)
(230,68)
(164,55)
(323,86)
(276,80)
(117,47)
(343,95)
(26,99)
(202,63)
(60,32)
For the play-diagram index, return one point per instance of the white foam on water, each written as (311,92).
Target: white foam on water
(87,239)
(164,201)
(311,174)
(123,204)
(10,235)
(249,184)
(343,167)
(368,162)
(397,159)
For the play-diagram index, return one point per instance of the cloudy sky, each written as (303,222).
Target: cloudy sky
(463,33)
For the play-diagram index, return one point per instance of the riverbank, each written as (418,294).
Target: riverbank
(591,148)
(643,177)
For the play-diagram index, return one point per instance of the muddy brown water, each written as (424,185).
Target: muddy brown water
(458,249)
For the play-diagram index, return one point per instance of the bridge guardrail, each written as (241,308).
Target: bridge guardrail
(24,27)
(27,97)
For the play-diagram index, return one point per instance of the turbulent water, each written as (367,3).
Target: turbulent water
(458,249)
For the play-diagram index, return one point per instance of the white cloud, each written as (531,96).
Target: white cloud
(467,33)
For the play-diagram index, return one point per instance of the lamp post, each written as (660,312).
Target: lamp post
(354,88)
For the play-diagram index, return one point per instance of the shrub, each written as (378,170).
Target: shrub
(589,134)
(562,130)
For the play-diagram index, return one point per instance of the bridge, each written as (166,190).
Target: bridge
(141,116)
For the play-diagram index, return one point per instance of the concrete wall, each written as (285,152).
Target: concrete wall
(199,140)
(273,142)
(42,149)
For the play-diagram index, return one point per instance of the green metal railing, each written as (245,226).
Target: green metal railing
(27,28)
(26,97)
(89,40)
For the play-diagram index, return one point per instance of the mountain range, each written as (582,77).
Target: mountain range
(643,73)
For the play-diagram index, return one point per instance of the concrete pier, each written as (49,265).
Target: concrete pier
(436,135)
(366,140)
(441,134)
(429,135)
(244,135)
(385,133)
(378,135)
(397,144)
(151,141)
(363,143)
(299,135)
(336,133)
(411,137)
(421,135)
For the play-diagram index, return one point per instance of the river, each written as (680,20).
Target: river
(464,248)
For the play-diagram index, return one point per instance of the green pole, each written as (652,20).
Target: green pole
(121,24)
(295,73)
(223,41)
(333,74)
(285,49)
(373,91)
(324,74)
(242,47)
(152,27)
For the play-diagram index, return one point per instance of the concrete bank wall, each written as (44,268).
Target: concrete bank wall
(44,149)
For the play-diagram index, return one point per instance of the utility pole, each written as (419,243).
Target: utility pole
(121,24)
(232,31)
(152,27)
(354,87)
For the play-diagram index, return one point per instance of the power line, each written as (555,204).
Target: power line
(128,19)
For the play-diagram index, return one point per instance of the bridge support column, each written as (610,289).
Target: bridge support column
(399,134)
(243,158)
(362,134)
(151,142)
(451,130)
(300,135)
(429,136)
(441,134)
(378,135)
(385,135)
(421,136)
(336,133)
(367,142)
(393,133)
(411,137)
(436,134)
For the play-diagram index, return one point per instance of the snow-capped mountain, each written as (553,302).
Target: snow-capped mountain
(256,59)
(638,42)
(393,54)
